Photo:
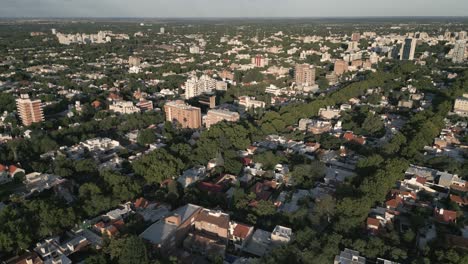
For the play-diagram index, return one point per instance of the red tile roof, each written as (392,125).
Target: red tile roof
(12,169)
(141,203)
(210,187)
(446,216)
(373,222)
(459,200)
(241,231)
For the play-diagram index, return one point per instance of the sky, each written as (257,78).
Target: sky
(231,8)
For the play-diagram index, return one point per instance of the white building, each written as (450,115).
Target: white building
(196,86)
(124,107)
(250,102)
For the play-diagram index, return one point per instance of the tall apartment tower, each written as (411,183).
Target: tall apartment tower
(197,86)
(462,35)
(341,67)
(407,49)
(30,111)
(305,75)
(356,37)
(186,115)
(459,51)
(260,61)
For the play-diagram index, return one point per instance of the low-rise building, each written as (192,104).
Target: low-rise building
(218,115)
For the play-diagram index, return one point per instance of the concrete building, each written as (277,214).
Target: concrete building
(408,48)
(461,106)
(30,111)
(355,36)
(462,35)
(196,86)
(217,115)
(134,61)
(145,105)
(459,51)
(305,75)
(162,30)
(259,61)
(341,67)
(187,116)
(349,256)
(124,107)
(250,102)
(194,50)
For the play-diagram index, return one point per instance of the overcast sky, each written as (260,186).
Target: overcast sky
(231,8)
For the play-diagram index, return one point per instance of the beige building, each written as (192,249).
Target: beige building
(134,61)
(187,116)
(217,115)
(341,67)
(250,102)
(124,107)
(461,106)
(305,75)
(30,111)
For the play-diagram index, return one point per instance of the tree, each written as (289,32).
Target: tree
(372,124)
(129,250)
(158,166)
(146,137)
(306,175)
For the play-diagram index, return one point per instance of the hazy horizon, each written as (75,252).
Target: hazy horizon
(230,9)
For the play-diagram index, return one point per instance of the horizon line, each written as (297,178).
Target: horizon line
(227,17)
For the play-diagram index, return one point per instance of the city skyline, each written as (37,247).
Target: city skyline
(226,9)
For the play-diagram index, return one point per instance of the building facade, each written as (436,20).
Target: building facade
(196,86)
(187,116)
(217,115)
(305,75)
(30,111)
(408,49)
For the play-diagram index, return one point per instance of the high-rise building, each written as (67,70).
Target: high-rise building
(30,111)
(408,48)
(356,37)
(260,61)
(353,46)
(217,115)
(197,86)
(305,75)
(461,106)
(162,30)
(459,51)
(462,35)
(447,35)
(186,115)
(341,67)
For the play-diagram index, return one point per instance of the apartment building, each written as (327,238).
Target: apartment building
(30,111)
(217,115)
(186,115)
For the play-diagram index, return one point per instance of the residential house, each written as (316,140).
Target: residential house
(239,234)
(192,175)
(170,231)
